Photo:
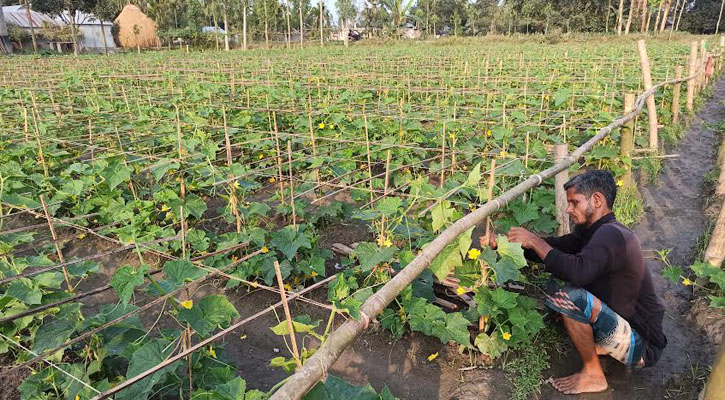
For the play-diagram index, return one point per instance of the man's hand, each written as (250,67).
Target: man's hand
(492,243)
(521,235)
(529,240)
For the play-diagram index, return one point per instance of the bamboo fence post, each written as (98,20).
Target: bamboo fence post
(227,142)
(627,139)
(55,243)
(290,325)
(651,105)
(312,136)
(691,68)
(182,188)
(182,222)
(561,151)
(25,123)
(675,96)
(703,60)
(387,174)
(291,184)
(367,147)
(279,156)
(443,156)
(90,139)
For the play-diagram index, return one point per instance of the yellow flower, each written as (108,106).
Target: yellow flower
(313,274)
(506,336)
(243,337)
(187,304)
(488,132)
(165,208)
(452,136)
(271,180)
(287,286)
(460,290)
(265,249)
(473,254)
(322,125)
(433,356)
(381,240)
(387,242)
(261,156)
(212,352)
(236,185)
(81,236)
(620,182)
(78,397)
(686,282)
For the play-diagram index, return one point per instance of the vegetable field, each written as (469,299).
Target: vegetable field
(143,195)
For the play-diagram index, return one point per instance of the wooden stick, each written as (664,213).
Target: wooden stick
(25,123)
(675,96)
(285,306)
(367,146)
(387,174)
(55,243)
(182,221)
(227,142)
(691,68)
(443,156)
(291,184)
(312,136)
(627,138)
(651,105)
(279,158)
(561,151)
(182,190)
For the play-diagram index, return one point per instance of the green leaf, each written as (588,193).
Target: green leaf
(717,302)
(441,215)
(82,268)
(506,271)
(389,205)
(335,388)
(147,356)
(182,271)
(455,329)
(369,255)
(194,205)
(561,96)
(492,345)
(504,298)
(24,290)
(116,173)
(474,177)
(672,273)
(232,390)
(446,262)
(209,313)
(163,166)
(514,251)
(53,334)
(464,242)
(301,324)
(126,279)
(288,240)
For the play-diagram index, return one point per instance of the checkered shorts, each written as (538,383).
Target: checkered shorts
(611,332)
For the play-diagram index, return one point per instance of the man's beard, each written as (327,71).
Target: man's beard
(588,216)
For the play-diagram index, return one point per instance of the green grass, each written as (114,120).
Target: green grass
(628,207)
(527,368)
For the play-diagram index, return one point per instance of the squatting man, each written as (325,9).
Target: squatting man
(608,306)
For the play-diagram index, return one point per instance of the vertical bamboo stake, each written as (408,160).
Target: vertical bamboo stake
(55,243)
(70,102)
(90,139)
(526,157)
(691,68)
(227,141)
(387,174)
(443,156)
(291,184)
(367,146)
(279,156)
(290,325)
(627,138)
(312,136)
(562,218)
(651,106)
(182,189)
(182,221)
(25,123)
(703,59)
(676,96)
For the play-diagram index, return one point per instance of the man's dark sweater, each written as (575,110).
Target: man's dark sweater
(606,259)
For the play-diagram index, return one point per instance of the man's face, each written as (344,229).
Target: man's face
(580,208)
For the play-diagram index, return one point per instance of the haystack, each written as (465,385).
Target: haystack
(135,29)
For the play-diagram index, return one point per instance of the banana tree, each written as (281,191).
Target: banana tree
(397,9)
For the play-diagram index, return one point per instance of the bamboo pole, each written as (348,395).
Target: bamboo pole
(279,158)
(367,148)
(676,96)
(627,139)
(691,68)
(651,105)
(285,306)
(562,218)
(55,243)
(314,368)
(291,185)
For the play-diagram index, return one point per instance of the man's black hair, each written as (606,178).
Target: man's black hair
(595,181)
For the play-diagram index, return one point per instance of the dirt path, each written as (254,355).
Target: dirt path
(673,219)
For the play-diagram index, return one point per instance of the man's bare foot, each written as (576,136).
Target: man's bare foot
(580,382)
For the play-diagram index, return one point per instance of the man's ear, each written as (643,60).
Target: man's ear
(599,200)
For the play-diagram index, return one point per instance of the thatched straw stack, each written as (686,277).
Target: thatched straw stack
(135,29)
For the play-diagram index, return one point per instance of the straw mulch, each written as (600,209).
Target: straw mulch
(135,29)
